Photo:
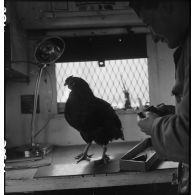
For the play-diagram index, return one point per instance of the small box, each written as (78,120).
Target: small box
(140,158)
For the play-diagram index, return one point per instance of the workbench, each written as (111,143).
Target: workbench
(64,173)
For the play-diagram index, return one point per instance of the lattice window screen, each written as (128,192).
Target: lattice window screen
(107,82)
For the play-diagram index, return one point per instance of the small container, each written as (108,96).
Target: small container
(37,153)
(140,158)
(27,153)
(44,151)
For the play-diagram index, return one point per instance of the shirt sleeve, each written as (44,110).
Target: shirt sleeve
(170,134)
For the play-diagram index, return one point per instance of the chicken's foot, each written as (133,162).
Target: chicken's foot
(84,155)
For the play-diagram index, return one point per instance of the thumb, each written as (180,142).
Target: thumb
(151,115)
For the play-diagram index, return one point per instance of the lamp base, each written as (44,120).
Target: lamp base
(38,150)
(28,152)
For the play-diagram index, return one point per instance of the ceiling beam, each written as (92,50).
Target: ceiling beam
(62,20)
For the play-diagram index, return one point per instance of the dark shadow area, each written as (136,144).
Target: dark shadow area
(153,189)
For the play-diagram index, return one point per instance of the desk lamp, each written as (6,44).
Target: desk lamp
(47,52)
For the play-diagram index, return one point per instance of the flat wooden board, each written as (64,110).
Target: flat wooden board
(64,162)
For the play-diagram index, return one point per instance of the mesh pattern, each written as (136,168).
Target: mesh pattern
(108,82)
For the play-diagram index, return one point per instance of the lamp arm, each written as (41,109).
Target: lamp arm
(35,105)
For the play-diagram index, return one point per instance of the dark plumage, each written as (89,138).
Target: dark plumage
(93,117)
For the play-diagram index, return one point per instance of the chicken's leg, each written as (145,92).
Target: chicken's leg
(84,155)
(105,158)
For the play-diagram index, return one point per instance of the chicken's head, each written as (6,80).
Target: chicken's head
(76,83)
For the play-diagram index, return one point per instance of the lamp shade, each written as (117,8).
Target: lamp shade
(49,50)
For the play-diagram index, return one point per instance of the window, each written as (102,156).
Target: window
(108,81)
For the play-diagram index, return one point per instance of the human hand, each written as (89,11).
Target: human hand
(146,123)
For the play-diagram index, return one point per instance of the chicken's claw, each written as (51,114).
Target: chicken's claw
(83,156)
(104,160)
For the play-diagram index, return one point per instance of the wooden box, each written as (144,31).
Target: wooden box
(140,158)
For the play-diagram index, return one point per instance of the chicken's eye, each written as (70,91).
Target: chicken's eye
(72,83)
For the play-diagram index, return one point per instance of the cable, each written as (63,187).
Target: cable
(35,105)
(39,131)
(51,84)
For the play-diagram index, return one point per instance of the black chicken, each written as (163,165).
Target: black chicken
(93,117)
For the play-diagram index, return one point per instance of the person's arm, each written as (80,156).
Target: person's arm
(170,134)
